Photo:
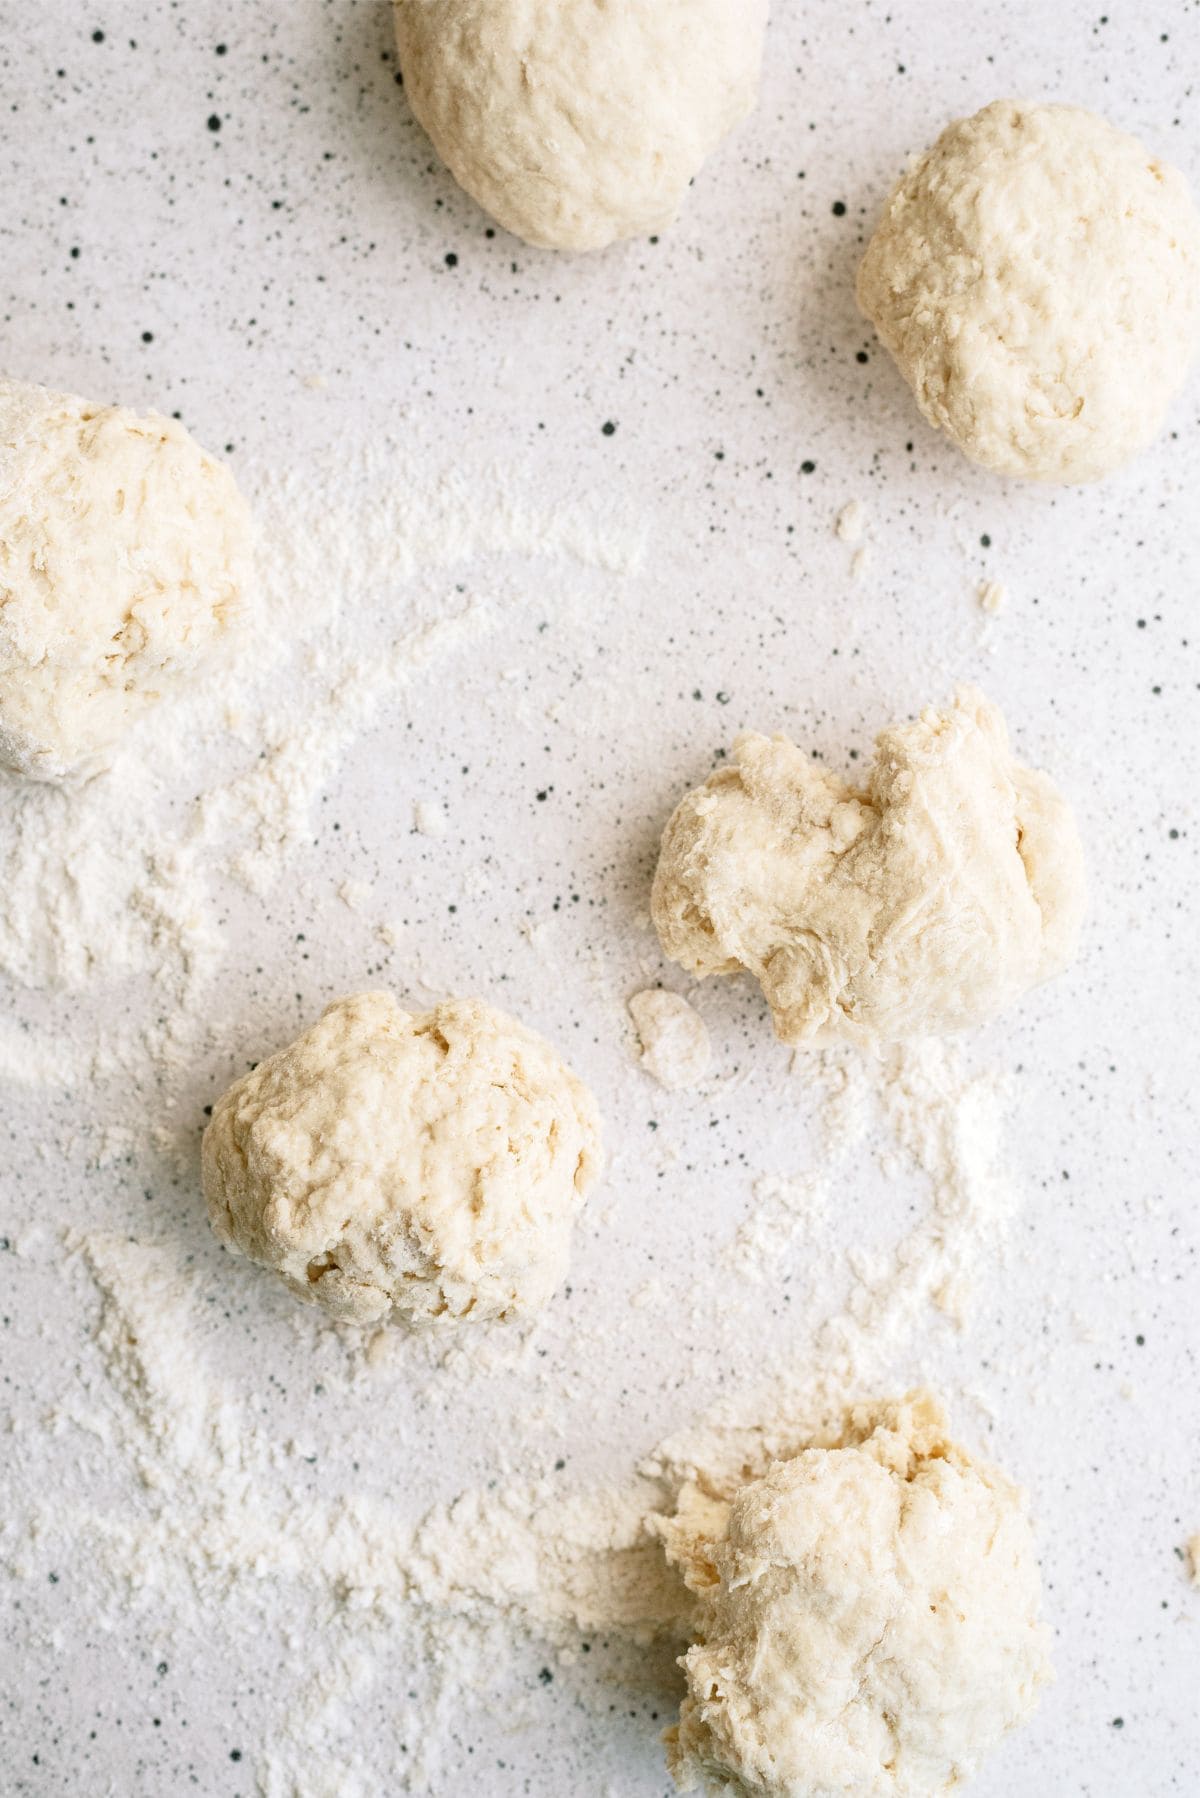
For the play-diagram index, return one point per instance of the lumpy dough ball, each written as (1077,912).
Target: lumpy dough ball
(573,122)
(868,1617)
(426,1167)
(918,905)
(125,566)
(1036,276)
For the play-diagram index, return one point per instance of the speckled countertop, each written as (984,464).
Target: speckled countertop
(227,211)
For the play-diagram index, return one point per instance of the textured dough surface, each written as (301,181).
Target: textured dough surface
(922,905)
(868,1619)
(578,122)
(427,1167)
(1036,276)
(125,564)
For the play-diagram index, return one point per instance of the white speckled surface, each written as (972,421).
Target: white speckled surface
(312,234)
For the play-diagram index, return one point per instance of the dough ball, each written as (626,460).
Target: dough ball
(1036,276)
(125,564)
(868,1617)
(575,124)
(421,1166)
(674,1039)
(919,905)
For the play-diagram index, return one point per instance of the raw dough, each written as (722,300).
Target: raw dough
(574,122)
(868,1618)
(426,1167)
(673,1036)
(924,904)
(125,563)
(1036,276)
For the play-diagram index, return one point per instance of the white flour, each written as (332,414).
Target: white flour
(226,1530)
(225,1533)
(932,1118)
(229,1531)
(125,878)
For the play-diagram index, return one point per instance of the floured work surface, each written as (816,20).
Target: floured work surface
(246,1553)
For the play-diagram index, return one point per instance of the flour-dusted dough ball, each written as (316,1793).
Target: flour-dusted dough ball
(1036,276)
(919,905)
(427,1167)
(125,567)
(578,122)
(868,1617)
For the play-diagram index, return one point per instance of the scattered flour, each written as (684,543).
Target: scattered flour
(228,1526)
(232,1534)
(127,880)
(129,877)
(940,1121)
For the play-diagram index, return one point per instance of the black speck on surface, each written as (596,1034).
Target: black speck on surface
(608,427)
(839,209)
(214,121)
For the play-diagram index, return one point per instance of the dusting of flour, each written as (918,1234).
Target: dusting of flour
(125,879)
(932,1119)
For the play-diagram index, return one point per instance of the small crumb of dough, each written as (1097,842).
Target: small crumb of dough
(354,894)
(389,1165)
(867,1619)
(429,818)
(1193,1554)
(860,562)
(851,521)
(674,1038)
(993,597)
